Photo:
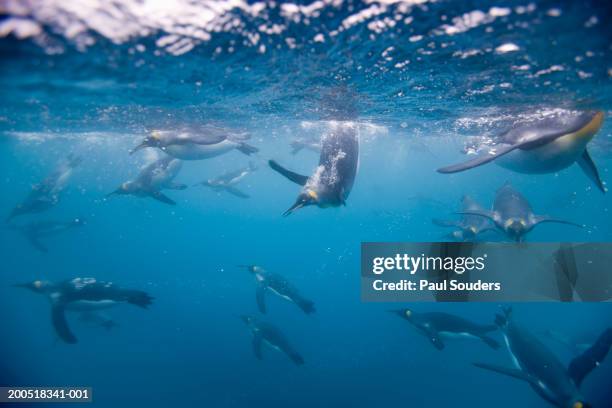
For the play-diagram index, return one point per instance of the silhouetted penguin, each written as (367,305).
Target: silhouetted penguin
(512,213)
(153,178)
(45,194)
(227,182)
(83,294)
(36,230)
(271,335)
(469,226)
(197,143)
(538,366)
(332,181)
(438,325)
(546,145)
(277,284)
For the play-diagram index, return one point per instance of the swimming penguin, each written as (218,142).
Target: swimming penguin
(537,365)
(332,181)
(277,284)
(83,294)
(547,145)
(469,226)
(153,178)
(271,335)
(437,326)
(512,213)
(198,143)
(45,194)
(227,182)
(36,230)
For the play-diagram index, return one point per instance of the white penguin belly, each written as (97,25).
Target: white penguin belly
(281,295)
(191,151)
(455,335)
(552,157)
(87,305)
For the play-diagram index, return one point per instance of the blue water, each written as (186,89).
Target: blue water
(427,77)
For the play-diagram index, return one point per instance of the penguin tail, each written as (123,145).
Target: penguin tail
(139,298)
(246,148)
(296,358)
(307,306)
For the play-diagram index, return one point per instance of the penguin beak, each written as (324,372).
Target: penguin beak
(137,148)
(294,207)
(112,193)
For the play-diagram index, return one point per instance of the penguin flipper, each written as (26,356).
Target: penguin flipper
(482,213)
(247,149)
(58,318)
(543,218)
(257,346)
(260,295)
(582,365)
(494,344)
(159,196)
(296,178)
(176,186)
(510,372)
(587,165)
(434,338)
(235,192)
(480,160)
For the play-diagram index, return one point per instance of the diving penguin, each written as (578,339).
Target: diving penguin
(153,178)
(46,194)
(277,284)
(36,230)
(227,182)
(469,226)
(538,366)
(332,181)
(83,294)
(546,145)
(513,215)
(197,143)
(437,326)
(272,336)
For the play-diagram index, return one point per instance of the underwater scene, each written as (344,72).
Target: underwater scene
(186,186)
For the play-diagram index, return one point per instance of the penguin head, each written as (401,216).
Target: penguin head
(579,403)
(38,286)
(247,319)
(124,188)
(403,313)
(516,227)
(307,197)
(154,140)
(254,268)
